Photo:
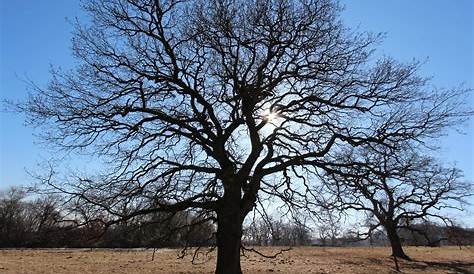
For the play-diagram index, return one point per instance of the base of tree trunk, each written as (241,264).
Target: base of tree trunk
(399,253)
(402,256)
(396,244)
(227,261)
(229,233)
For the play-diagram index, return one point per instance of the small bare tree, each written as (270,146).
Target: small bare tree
(27,222)
(215,105)
(329,227)
(397,189)
(273,232)
(12,221)
(460,236)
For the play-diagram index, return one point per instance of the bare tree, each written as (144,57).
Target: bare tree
(259,233)
(460,236)
(273,232)
(398,189)
(12,221)
(26,223)
(217,104)
(329,227)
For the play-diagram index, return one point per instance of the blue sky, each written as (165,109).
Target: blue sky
(35,34)
(439,31)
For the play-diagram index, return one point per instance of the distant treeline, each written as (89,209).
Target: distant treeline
(431,234)
(40,222)
(420,234)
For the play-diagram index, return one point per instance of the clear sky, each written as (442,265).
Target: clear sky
(35,34)
(439,31)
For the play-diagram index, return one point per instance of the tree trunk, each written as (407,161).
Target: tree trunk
(395,242)
(229,233)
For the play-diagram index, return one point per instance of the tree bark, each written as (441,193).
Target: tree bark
(229,233)
(395,242)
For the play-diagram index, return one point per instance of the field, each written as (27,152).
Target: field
(298,260)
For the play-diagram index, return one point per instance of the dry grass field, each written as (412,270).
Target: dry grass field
(298,260)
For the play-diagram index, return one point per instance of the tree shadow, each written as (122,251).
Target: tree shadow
(455,266)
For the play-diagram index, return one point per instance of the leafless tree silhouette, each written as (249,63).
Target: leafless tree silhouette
(398,189)
(215,105)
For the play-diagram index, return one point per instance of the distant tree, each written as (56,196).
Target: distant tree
(44,215)
(460,236)
(422,232)
(290,234)
(258,233)
(300,234)
(329,228)
(214,105)
(12,222)
(273,232)
(370,226)
(398,189)
(27,223)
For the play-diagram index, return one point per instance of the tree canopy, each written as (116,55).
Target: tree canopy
(217,104)
(397,189)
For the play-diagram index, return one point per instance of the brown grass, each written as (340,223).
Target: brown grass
(299,260)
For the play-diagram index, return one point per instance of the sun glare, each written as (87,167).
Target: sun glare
(271,116)
(272,120)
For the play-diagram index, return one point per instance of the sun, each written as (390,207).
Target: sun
(271,116)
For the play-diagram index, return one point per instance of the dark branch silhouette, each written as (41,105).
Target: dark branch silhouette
(397,189)
(215,105)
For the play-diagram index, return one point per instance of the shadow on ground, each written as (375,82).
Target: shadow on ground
(452,266)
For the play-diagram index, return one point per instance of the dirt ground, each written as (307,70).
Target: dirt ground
(298,260)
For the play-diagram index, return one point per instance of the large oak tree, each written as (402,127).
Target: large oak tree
(215,104)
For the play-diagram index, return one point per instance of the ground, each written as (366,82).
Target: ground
(298,260)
